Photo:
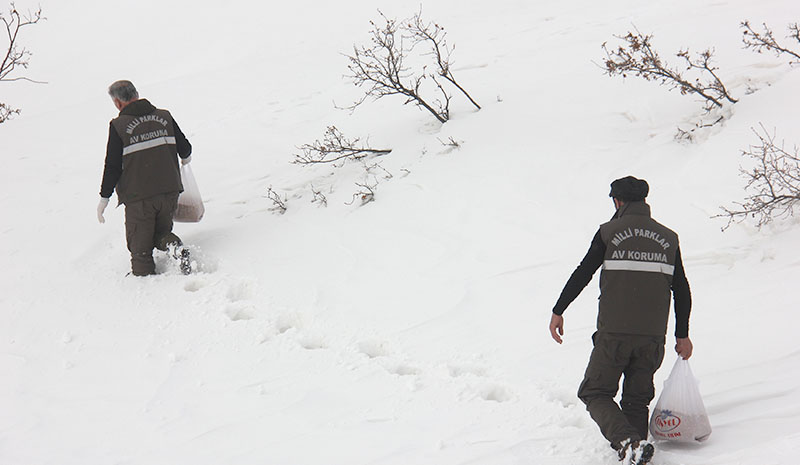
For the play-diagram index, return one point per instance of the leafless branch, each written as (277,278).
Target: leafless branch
(319,197)
(435,36)
(444,104)
(684,135)
(639,58)
(366,193)
(450,142)
(372,168)
(334,147)
(773,182)
(765,41)
(15,55)
(6,112)
(279,204)
(380,68)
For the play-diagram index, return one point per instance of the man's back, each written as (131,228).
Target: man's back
(149,153)
(638,268)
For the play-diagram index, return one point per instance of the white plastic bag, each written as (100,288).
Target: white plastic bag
(190,204)
(680,414)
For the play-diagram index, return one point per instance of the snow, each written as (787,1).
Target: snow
(413,329)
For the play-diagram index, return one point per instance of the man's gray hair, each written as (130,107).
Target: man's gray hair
(124,91)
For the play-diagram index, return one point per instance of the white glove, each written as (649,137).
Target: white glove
(185,161)
(101,207)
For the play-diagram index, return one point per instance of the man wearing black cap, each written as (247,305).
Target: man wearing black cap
(642,267)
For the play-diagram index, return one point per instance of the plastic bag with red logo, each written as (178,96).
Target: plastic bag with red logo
(680,414)
(190,204)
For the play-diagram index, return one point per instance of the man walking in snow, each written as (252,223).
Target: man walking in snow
(144,144)
(642,266)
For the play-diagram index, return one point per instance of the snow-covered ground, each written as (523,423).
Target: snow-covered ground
(413,329)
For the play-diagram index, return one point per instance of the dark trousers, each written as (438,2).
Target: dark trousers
(615,355)
(148,225)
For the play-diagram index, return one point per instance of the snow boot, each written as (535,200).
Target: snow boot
(635,452)
(642,453)
(185,261)
(180,253)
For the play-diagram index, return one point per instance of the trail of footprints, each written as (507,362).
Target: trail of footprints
(240,306)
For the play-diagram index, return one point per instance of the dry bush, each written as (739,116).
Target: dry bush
(319,198)
(434,35)
(15,56)
(278,203)
(334,147)
(765,41)
(382,70)
(6,112)
(697,76)
(773,183)
(366,193)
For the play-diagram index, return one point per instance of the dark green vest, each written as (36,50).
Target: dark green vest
(636,280)
(149,156)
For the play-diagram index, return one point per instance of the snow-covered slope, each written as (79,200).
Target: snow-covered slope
(413,329)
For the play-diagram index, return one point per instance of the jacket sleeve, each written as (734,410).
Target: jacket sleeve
(582,275)
(183,145)
(682,296)
(113,166)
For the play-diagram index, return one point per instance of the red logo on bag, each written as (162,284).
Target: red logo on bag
(667,421)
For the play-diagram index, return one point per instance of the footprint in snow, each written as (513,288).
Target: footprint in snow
(240,312)
(373,348)
(286,322)
(402,369)
(242,290)
(495,393)
(313,342)
(459,370)
(489,392)
(194,285)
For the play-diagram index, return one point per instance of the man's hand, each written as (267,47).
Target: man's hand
(557,327)
(186,161)
(101,207)
(683,346)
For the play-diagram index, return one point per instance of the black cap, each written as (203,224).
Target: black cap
(629,189)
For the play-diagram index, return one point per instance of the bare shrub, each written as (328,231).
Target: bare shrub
(373,168)
(688,135)
(319,198)
(434,36)
(773,182)
(365,194)
(637,57)
(6,112)
(451,143)
(765,41)
(15,56)
(335,147)
(381,67)
(278,203)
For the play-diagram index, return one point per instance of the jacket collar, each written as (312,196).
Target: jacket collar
(139,107)
(633,208)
